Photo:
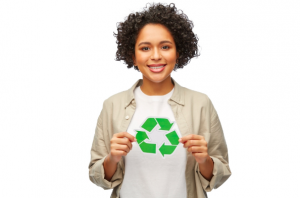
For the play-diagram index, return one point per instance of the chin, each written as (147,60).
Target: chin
(157,79)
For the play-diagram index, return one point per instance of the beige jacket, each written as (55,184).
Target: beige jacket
(194,114)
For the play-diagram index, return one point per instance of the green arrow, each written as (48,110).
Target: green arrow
(173,138)
(149,124)
(141,136)
(148,148)
(164,124)
(166,149)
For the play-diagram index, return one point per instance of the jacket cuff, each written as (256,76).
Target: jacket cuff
(97,175)
(218,173)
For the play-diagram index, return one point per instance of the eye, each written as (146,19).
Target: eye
(166,46)
(144,48)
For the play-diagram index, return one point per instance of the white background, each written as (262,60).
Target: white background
(57,68)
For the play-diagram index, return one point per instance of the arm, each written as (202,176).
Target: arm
(217,150)
(206,169)
(110,168)
(106,178)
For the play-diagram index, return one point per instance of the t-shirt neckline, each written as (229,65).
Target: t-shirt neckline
(140,94)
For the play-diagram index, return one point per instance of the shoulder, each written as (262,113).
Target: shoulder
(197,100)
(191,95)
(117,100)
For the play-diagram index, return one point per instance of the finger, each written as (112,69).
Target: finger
(190,137)
(127,135)
(197,149)
(130,137)
(124,141)
(119,153)
(122,147)
(192,143)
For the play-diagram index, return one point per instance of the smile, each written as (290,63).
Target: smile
(157,69)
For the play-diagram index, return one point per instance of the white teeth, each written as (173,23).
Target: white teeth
(156,67)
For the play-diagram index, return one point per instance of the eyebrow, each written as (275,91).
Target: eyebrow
(159,42)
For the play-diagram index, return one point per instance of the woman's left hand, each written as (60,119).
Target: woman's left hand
(196,145)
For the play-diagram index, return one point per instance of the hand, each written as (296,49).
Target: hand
(120,145)
(196,145)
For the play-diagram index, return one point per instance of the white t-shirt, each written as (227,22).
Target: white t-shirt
(155,167)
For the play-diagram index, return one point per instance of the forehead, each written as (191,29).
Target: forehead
(154,33)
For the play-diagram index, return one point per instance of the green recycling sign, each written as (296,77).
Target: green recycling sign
(165,126)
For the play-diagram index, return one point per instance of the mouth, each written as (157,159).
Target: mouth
(157,67)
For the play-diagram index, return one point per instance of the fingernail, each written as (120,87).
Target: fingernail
(135,139)
(180,140)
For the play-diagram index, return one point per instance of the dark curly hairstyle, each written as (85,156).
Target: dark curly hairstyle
(177,23)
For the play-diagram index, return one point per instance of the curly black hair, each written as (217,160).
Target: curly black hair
(177,23)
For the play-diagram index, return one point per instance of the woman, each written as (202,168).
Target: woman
(158,139)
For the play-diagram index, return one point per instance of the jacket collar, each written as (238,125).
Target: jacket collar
(177,95)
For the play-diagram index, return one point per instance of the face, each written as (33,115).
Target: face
(155,52)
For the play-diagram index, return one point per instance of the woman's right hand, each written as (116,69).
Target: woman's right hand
(120,145)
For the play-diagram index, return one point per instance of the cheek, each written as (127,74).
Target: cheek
(170,57)
(142,57)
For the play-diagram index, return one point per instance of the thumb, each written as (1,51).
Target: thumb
(130,137)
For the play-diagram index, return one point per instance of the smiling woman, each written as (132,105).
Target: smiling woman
(174,21)
(158,139)
(155,57)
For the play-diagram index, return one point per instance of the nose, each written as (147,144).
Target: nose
(155,54)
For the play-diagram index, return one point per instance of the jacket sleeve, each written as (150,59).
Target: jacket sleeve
(99,152)
(217,150)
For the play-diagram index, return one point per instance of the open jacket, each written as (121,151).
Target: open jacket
(194,114)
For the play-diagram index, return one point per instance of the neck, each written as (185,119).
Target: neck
(151,88)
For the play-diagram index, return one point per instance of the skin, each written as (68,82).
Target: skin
(155,45)
(197,145)
(154,52)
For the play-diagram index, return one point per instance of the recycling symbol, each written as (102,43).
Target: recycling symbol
(165,126)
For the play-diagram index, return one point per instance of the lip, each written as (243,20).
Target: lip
(156,65)
(156,70)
